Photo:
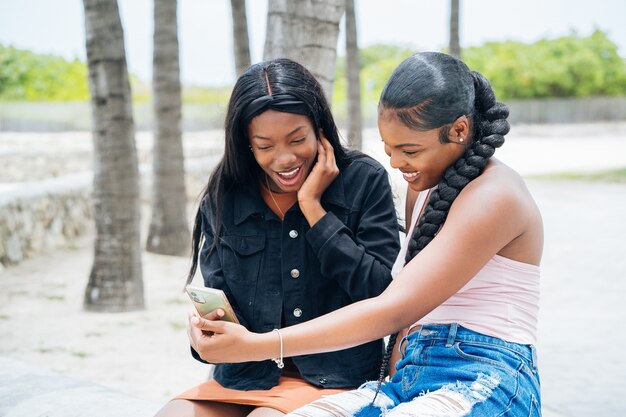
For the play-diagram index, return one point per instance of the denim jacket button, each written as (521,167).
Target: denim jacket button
(297,312)
(323,381)
(295,273)
(293,234)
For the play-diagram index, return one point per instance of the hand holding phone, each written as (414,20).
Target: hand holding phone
(207,299)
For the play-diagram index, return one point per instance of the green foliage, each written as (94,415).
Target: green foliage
(377,64)
(209,95)
(26,76)
(570,66)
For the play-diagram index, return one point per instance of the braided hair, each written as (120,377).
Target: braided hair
(431,90)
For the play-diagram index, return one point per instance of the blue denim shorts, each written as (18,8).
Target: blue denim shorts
(446,370)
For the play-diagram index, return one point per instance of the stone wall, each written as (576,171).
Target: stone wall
(35,216)
(46,183)
(40,215)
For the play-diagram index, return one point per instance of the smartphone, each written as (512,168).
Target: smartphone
(207,299)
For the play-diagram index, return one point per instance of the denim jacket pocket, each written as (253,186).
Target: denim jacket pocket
(242,257)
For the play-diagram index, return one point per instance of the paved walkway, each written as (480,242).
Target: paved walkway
(30,391)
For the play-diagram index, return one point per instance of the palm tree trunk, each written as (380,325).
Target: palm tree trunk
(169,229)
(455,44)
(353,71)
(305,31)
(115,282)
(240,35)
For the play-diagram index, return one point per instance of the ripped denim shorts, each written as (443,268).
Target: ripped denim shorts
(446,370)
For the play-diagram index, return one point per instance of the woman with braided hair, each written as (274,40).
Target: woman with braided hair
(466,284)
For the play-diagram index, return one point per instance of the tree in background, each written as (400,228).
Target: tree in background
(569,66)
(305,31)
(115,282)
(455,44)
(169,229)
(377,62)
(353,71)
(241,41)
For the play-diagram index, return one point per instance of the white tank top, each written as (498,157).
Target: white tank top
(501,300)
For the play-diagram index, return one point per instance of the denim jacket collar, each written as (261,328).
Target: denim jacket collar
(251,203)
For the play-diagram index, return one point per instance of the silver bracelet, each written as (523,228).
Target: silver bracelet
(279,361)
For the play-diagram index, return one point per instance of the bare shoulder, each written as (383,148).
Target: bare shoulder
(498,185)
(499,197)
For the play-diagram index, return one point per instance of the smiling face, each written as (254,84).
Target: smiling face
(285,147)
(419,155)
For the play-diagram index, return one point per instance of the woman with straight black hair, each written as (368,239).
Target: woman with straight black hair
(291,226)
(465,294)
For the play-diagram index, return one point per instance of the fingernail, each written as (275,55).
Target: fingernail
(195,320)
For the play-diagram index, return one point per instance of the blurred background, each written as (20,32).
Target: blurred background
(111,116)
(529,50)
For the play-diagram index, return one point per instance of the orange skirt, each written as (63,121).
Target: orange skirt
(289,394)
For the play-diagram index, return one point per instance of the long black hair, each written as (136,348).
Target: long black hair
(238,168)
(431,90)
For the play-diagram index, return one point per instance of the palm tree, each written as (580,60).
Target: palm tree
(115,282)
(353,70)
(305,31)
(455,44)
(169,229)
(240,35)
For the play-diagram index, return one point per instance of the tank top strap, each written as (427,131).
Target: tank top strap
(418,209)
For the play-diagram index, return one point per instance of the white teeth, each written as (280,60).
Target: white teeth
(410,175)
(289,174)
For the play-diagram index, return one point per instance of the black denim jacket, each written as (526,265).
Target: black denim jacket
(278,274)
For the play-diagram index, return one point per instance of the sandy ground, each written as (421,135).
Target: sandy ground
(146,353)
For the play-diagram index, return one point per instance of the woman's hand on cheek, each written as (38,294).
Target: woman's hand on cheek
(322,175)
(219,341)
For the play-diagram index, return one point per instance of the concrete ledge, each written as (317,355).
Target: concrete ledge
(27,390)
(47,214)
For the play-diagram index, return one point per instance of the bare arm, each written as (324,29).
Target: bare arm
(483,219)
